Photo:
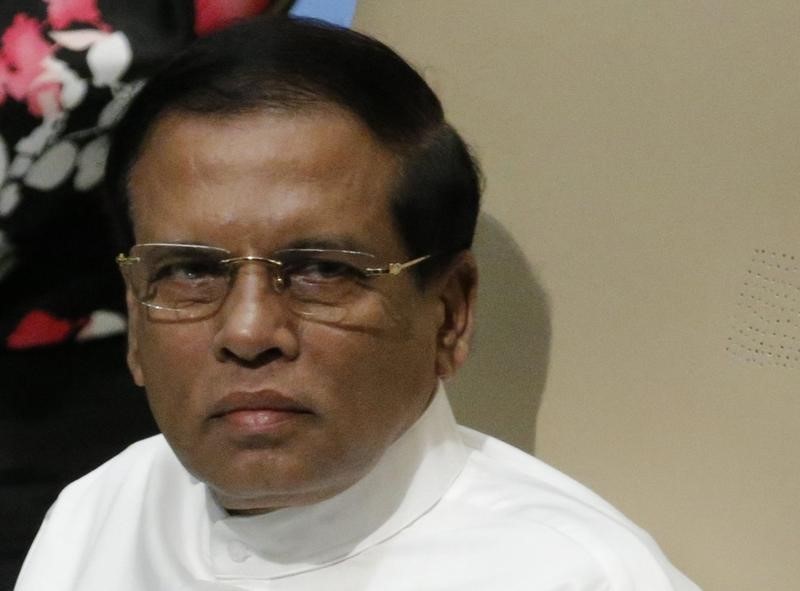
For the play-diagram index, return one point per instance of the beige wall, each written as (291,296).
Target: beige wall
(639,156)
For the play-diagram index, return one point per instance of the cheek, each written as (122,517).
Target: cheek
(169,346)
(366,356)
(172,358)
(379,382)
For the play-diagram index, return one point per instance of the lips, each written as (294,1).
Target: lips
(257,412)
(267,400)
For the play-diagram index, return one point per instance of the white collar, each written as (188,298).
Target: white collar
(408,481)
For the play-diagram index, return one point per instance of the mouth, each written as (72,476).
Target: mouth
(257,412)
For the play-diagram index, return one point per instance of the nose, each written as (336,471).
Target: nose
(254,325)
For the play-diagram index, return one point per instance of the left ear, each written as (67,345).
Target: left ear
(457,296)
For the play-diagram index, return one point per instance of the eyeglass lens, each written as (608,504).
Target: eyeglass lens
(179,282)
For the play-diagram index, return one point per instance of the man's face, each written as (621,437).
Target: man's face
(270,408)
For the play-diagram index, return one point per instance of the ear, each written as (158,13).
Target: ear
(134,364)
(457,295)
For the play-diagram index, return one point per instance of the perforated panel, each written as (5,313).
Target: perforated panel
(766,329)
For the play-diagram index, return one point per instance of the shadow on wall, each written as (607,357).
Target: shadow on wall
(499,389)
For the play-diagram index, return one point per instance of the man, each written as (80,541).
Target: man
(300,285)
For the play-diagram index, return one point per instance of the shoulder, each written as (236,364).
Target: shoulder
(125,470)
(540,507)
(109,499)
(117,521)
(117,485)
(511,472)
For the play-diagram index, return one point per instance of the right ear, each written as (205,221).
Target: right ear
(134,323)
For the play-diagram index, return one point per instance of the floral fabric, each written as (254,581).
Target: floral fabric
(67,70)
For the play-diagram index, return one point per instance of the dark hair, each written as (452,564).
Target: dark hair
(283,63)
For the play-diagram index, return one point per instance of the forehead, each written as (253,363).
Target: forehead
(263,174)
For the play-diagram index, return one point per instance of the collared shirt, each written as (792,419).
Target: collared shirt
(444,508)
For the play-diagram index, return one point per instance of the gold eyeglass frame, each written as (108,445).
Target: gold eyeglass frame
(390,269)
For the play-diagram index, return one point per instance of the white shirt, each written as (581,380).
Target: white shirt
(445,508)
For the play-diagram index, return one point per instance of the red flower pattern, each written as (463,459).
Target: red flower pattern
(39,328)
(62,13)
(211,15)
(22,61)
(25,49)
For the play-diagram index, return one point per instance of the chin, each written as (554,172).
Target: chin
(246,489)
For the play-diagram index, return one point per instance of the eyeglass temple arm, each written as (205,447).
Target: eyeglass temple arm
(395,268)
(126,260)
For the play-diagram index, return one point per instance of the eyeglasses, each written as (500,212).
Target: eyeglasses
(187,281)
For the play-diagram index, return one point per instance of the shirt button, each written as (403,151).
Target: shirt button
(238,551)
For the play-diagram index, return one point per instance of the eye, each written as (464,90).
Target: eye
(186,270)
(319,270)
